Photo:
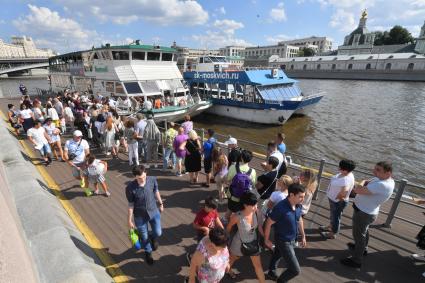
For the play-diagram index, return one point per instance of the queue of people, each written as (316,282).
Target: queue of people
(256,204)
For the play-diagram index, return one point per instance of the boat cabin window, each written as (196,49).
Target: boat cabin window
(105,55)
(133,88)
(109,86)
(136,55)
(120,55)
(153,56)
(167,56)
(201,60)
(207,60)
(218,59)
(150,86)
(95,56)
(119,88)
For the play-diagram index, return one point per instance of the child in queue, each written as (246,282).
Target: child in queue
(95,171)
(207,218)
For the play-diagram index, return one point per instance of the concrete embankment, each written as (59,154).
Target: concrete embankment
(38,240)
(388,75)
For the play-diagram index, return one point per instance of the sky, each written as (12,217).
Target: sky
(70,25)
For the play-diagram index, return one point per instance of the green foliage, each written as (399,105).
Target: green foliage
(306,52)
(397,35)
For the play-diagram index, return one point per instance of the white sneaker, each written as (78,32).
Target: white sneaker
(108,153)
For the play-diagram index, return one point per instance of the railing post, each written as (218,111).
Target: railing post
(396,202)
(165,125)
(319,177)
(202,135)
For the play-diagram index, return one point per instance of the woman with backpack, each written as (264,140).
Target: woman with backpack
(245,241)
(240,178)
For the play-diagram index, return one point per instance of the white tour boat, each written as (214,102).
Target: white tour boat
(126,71)
(260,96)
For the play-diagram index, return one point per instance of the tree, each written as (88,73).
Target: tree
(397,35)
(306,52)
(400,35)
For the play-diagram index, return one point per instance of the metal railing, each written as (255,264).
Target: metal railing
(319,166)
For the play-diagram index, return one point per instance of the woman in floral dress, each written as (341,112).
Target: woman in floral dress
(210,261)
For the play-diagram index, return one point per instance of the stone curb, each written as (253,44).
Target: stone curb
(59,251)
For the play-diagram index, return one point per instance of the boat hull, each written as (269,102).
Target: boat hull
(263,116)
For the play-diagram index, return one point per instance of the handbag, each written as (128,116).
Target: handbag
(253,247)
(72,155)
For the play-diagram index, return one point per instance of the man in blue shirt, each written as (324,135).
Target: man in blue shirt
(280,144)
(208,148)
(143,195)
(287,221)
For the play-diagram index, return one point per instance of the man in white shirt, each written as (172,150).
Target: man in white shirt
(38,136)
(75,153)
(338,193)
(369,197)
(273,151)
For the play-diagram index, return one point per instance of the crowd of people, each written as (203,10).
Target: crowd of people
(256,204)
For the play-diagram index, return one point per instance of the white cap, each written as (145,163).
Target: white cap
(231,141)
(77,133)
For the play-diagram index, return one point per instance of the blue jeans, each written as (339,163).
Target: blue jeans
(142,149)
(285,250)
(336,209)
(45,150)
(144,235)
(167,153)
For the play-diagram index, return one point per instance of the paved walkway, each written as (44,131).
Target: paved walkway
(388,259)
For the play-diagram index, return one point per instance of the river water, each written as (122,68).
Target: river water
(366,121)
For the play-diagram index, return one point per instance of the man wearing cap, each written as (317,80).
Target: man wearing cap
(234,151)
(75,153)
(167,145)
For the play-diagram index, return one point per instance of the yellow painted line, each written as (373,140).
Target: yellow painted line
(111,267)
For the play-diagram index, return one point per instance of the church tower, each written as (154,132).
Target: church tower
(420,41)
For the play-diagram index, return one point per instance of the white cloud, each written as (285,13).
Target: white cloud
(228,26)
(381,13)
(222,35)
(162,12)
(222,10)
(343,21)
(2,22)
(50,30)
(278,13)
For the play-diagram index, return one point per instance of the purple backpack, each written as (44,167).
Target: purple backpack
(241,182)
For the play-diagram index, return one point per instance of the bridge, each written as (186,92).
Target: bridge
(19,65)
